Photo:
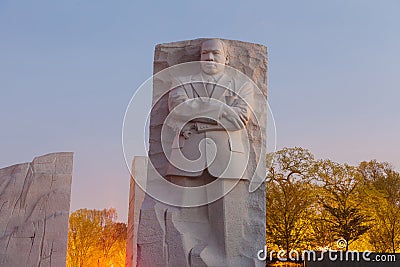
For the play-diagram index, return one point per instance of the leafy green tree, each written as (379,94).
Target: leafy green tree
(382,199)
(340,199)
(289,199)
(83,233)
(95,238)
(321,235)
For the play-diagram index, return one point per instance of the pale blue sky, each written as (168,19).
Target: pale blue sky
(69,68)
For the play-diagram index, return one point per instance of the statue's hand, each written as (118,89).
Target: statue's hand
(232,117)
(186,134)
(187,130)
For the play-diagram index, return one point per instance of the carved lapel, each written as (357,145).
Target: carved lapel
(224,84)
(197,85)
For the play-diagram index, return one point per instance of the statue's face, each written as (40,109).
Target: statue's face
(212,51)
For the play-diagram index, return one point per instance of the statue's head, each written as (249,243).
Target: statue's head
(213,51)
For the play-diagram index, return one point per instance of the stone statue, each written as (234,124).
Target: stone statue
(211,120)
(215,110)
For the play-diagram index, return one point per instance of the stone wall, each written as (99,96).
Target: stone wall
(34,211)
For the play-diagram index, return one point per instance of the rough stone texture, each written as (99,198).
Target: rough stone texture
(164,233)
(34,210)
(136,197)
(250,59)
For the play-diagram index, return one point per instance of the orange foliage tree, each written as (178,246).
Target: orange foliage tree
(96,239)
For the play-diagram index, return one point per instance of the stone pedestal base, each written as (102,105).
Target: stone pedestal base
(227,232)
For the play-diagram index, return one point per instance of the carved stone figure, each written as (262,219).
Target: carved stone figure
(211,120)
(217,120)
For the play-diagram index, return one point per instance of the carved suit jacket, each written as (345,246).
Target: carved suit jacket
(214,134)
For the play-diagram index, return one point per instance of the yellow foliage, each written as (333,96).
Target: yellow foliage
(96,239)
